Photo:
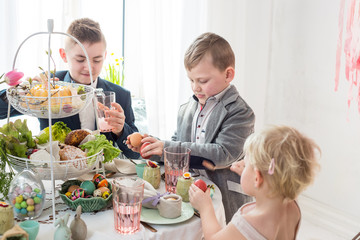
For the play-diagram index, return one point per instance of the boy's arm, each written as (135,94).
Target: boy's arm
(4,106)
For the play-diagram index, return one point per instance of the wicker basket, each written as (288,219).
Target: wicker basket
(87,204)
(63,170)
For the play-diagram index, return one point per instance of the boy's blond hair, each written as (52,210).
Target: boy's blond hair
(218,48)
(86,31)
(295,157)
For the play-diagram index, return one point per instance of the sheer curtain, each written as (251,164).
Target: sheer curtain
(157,34)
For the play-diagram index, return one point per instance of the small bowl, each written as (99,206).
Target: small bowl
(87,204)
(140,169)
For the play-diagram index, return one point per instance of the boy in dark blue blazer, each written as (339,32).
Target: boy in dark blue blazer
(121,118)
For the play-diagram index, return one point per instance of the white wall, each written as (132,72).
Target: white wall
(289,79)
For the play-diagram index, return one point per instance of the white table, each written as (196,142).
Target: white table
(101,224)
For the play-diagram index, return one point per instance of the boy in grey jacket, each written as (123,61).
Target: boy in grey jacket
(215,122)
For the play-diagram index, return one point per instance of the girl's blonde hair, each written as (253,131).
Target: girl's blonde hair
(295,157)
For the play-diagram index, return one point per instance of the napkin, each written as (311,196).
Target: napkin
(123,166)
(151,196)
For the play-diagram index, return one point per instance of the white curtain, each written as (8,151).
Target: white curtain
(157,34)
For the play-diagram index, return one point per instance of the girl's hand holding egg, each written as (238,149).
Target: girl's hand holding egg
(199,199)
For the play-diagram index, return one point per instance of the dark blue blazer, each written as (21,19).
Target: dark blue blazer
(123,98)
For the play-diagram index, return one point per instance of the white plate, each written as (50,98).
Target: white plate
(150,215)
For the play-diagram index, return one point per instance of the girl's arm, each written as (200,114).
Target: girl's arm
(202,202)
(211,228)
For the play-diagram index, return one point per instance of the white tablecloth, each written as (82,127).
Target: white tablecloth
(100,225)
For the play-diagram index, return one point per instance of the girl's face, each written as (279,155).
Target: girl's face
(248,175)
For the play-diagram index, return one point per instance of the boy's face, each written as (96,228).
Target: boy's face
(207,80)
(77,63)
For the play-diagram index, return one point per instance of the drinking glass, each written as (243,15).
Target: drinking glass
(176,163)
(104,104)
(31,227)
(128,193)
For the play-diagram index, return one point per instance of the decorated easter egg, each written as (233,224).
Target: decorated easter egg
(104,189)
(103,183)
(30,208)
(105,195)
(19,199)
(72,188)
(68,194)
(23,211)
(97,193)
(37,200)
(27,191)
(88,186)
(23,204)
(97,179)
(30,202)
(77,193)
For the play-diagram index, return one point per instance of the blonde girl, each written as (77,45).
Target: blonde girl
(279,164)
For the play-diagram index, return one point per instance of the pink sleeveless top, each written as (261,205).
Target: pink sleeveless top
(247,229)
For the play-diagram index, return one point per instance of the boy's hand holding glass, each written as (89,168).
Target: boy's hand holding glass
(110,114)
(115,118)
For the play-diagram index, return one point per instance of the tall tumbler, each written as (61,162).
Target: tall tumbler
(176,163)
(128,193)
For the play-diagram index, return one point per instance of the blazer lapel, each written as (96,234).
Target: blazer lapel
(219,113)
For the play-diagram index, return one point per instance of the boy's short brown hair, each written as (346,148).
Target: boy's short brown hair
(86,31)
(218,48)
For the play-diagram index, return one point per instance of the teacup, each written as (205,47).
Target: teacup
(31,227)
(140,169)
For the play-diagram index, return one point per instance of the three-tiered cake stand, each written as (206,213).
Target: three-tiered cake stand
(49,107)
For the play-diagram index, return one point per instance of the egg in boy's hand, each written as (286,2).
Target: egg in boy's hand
(133,141)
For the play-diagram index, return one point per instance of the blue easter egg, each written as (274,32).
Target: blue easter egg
(23,211)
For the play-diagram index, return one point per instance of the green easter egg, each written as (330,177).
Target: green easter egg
(17,205)
(37,200)
(36,190)
(88,186)
(23,204)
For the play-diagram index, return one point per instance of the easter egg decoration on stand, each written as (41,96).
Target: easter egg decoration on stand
(27,195)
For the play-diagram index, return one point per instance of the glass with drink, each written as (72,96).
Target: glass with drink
(104,100)
(176,161)
(128,193)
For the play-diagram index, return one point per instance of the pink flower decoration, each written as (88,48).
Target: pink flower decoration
(12,78)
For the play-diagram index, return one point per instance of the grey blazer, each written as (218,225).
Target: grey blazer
(230,123)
